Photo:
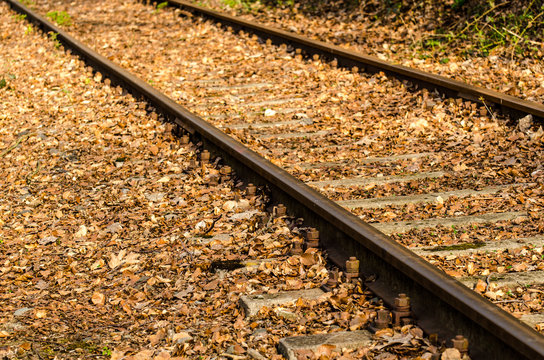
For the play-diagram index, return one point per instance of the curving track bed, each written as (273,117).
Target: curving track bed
(454,181)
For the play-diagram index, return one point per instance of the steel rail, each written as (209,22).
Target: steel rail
(510,105)
(441,304)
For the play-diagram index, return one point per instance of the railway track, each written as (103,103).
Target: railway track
(433,175)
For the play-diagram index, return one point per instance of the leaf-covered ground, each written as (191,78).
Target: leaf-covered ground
(497,45)
(111,241)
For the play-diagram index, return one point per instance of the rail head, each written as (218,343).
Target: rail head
(442,304)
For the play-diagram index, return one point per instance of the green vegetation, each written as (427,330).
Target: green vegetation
(28,3)
(479,26)
(19,17)
(3,83)
(53,36)
(62,18)
(29,30)
(513,28)
(106,351)
(160,6)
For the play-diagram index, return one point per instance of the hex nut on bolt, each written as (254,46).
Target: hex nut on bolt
(382,319)
(312,238)
(460,343)
(205,157)
(251,190)
(401,310)
(185,139)
(352,269)
(296,248)
(280,210)
(332,281)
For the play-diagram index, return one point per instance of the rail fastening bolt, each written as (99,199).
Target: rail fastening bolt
(382,320)
(332,281)
(193,163)
(312,238)
(355,69)
(401,309)
(316,57)
(460,343)
(205,157)
(225,172)
(281,210)
(251,190)
(352,269)
(402,302)
(185,140)
(296,248)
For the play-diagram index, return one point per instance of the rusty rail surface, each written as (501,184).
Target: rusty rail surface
(441,304)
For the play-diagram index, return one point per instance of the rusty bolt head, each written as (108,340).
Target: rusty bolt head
(333,278)
(225,170)
(402,302)
(193,163)
(213,180)
(298,51)
(352,265)
(312,238)
(281,210)
(251,190)
(316,57)
(312,234)
(334,63)
(205,157)
(185,139)
(296,248)
(355,69)
(383,319)
(460,343)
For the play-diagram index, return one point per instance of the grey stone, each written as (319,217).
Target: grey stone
(404,226)
(533,319)
(367,160)
(254,354)
(115,227)
(47,240)
(155,196)
(536,241)
(508,279)
(416,199)
(253,303)
(288,347)
(294,135)
(22,311)
(259,333)
(244,215)
(362,181)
